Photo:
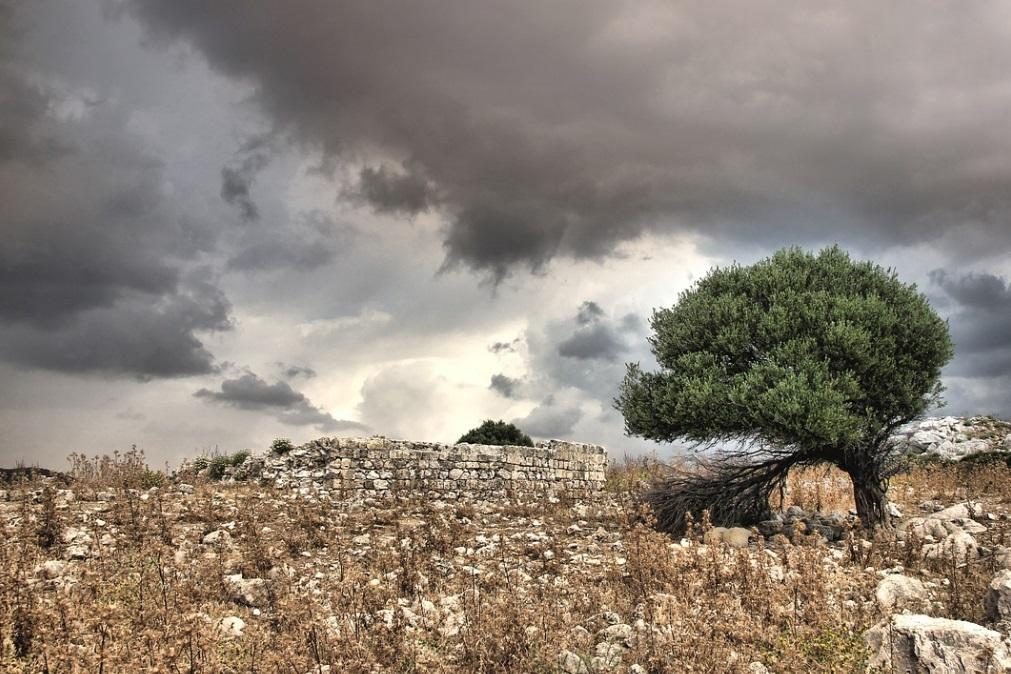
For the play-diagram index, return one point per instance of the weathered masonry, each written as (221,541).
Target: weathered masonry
(354,467)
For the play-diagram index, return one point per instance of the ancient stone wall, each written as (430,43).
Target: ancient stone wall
(377,466)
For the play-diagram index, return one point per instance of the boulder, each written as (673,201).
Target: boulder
(958,546)
(231,626)
(919,643)
(897,592)
(246,591)
(570,663)
(218,536)
(735,537)
(960,511)
(998,598)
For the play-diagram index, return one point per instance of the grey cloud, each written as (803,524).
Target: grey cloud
(294,371)
(981,318)
(507,387)
(134,337)
(616,118)
(250,392)
(237,178)
(589,312)
(389,191)
(311,240)
(597,342)
(504,347)
(95,274)
(595,338)
(550,419)
(987,292)
(587,357)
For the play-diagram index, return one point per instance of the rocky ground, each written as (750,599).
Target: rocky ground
(113,575)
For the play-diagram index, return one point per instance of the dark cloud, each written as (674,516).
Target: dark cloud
(979,318)
(389,191)
(507,387)
(982,291)
(566,128)
(596,342)
(250,392)
(589,312)
(504,347)
(95,271)
(294,371)
(550,419)
(137,336)
(237,178)
(595,338)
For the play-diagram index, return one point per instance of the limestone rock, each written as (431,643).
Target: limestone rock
(570,663)
(246,591)
(919,643)
(231,626)
(51,568)
(960,511)
(897,592)
(217,536)
(735,537)
(998,598)
(958,546)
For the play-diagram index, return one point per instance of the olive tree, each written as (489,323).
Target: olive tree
(800,359)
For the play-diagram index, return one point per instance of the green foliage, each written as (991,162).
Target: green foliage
(216,467)
(152,478)
(218,464)
(281,446)
(496,433)
(799,349)
(50,527)
(238,458)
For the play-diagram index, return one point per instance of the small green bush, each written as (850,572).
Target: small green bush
(281,446)
(496,433)
(238,458)
(216,467)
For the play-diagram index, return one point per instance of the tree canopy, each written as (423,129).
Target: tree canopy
(798,359)
(496,433)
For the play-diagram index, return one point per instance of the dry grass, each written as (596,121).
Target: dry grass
(415,586)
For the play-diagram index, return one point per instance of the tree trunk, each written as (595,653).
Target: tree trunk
(870,497)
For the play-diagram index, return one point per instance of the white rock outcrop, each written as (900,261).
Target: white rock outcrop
(954,438)
(919,643)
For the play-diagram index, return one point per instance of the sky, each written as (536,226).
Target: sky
(228,222)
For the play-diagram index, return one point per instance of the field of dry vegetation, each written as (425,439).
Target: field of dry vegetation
(124,570)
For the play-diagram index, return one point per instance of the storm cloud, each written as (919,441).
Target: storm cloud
(550,419)
(507,387)
(250,392)
(565,128)
(94,275)
(980,322)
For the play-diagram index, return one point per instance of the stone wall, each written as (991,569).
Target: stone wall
(377,466)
